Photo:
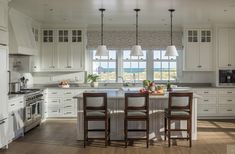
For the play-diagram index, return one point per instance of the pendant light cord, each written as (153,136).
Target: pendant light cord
(102,25)
(136,26)
(171,11)
(171,28)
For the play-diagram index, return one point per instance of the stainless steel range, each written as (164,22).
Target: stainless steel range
(32,107)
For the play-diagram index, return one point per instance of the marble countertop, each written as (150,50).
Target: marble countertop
(121,95)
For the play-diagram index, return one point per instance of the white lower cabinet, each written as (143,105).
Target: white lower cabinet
(16,118)
(60,103)
(216,102)
(3,133)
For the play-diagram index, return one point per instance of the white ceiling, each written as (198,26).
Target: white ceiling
(120,12)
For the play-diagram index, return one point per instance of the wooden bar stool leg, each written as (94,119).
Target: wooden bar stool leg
(165,129)
(106,133)
(169,132)
(125,132)
(147,133)
(190,133)
(109,131)
(85,133)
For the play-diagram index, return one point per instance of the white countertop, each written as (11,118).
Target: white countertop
(121,95)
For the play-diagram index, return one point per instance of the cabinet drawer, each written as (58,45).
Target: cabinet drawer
(16,104)
(53,111)
(227,100)
(207,100)
(68,93)
(55,93)
(54,101)
(227,92)
(68,113)
(227,111)
(206,91)
(68,100)
(206,110)
(69,106)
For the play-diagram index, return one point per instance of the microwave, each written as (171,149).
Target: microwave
(227,77)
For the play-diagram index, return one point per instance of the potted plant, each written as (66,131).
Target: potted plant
(92,78)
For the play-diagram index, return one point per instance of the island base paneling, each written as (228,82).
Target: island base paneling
(116,107)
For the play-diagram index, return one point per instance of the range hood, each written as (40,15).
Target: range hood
(21,37)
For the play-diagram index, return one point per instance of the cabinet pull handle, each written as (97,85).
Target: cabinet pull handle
(229,110)
(12,104)
(68,99)
(206,100)
(229,100)
(54,93)
(68,112)
(2,122)
(229,92)
(68,93)
(206,110)
(206,92)
(67,106)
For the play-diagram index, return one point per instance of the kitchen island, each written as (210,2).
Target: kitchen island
(116,104)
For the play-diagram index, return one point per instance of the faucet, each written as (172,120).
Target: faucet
(134,79)
(123,82)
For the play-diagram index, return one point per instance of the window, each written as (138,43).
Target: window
(164,67)
(134,67)
(105,66)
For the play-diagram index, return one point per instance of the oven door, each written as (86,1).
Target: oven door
(28,114)
(36,109)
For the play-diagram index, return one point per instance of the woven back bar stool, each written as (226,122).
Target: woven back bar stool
(136,109)
(179,108)
(95,109)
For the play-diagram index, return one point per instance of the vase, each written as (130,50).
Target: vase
(94,84)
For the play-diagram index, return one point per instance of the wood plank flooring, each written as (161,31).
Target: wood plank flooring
(59,137)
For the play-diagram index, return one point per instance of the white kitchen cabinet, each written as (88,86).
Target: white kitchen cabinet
(4,22)
(3,82)
(216,102)
(226,47)
(62,50)
(60,103)
(16,125)
(48,52)
(198,50)
(35,60)
(3,133)
(4,15)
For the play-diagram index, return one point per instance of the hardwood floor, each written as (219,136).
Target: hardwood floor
(59,137)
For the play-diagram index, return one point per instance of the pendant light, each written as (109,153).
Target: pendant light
(136,49)
(102,49)
(171,50)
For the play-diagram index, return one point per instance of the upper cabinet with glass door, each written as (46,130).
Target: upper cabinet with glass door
(65,50)
(198,50)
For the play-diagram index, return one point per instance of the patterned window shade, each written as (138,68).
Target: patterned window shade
(126,39)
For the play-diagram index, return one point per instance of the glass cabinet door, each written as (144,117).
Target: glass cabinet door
(192,36)
(205,36)
(48,36)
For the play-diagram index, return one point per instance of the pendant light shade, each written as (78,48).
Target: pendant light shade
(102,49)
(171,50)
(136,49)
